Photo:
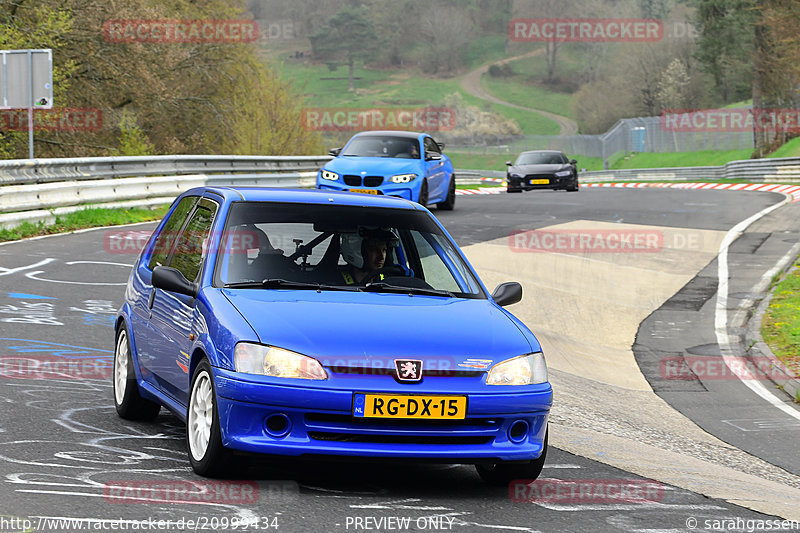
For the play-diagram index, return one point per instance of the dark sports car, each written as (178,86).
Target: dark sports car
(542,169)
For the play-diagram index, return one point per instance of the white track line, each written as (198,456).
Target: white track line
(721,315)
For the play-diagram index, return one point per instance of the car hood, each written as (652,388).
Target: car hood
(536,169)
(373,166)
(373,329)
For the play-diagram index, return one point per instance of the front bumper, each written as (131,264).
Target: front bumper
(553,182)
(321,421)
(401,191)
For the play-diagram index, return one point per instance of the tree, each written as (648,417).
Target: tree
(191,97)
(446,30)
(776,69)
(725,46)
(348,36)
(654,9)
(672,86)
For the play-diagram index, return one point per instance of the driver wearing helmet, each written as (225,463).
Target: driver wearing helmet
(365,252)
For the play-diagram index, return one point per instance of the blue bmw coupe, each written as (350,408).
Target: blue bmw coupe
(293,323)
(392,163)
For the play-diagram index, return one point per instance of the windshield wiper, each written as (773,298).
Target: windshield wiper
(387,287)
(278,283)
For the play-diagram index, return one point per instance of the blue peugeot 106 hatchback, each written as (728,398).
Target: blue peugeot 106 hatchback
(314,322)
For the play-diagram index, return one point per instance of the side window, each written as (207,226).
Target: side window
(431,146)
(169,231)
(190,246)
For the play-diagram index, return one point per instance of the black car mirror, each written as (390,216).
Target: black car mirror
(334,151)
(172,280)
(432,156)
(507,293)
(509,163)
(573,162)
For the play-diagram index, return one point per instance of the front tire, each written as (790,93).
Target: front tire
(450,202)
(203,437)
(573,187)
(422,199)
(129,403)
(503,473)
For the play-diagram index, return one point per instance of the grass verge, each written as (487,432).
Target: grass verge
(790,149)
(527,94)
(703,158)
(781,324)
(86,218)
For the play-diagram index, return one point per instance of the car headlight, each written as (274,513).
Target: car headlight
(563,173)
(514,175)
(276,362)
(403,178)
(328,175)
(524,370)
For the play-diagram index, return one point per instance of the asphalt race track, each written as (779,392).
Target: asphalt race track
(706,450)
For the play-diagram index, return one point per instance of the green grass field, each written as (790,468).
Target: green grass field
(526,94)
(619,161)
(790,149)
(87,218)
(704,158)
(781,324)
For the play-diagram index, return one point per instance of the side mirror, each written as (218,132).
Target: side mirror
(172,280)
(509,163)
(507,293)
(432,156)
(334,151)
(573,162)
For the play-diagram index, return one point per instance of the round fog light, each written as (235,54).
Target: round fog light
(518,431)
(277,425)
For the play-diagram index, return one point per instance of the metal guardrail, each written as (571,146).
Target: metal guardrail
(24,171)
(39,190)
(755,170)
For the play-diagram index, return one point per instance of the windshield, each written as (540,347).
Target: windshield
(541,158)
(383,146)
(273,246)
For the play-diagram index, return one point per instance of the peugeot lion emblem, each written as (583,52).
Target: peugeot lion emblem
(408,370)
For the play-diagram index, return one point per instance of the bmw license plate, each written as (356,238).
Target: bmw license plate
(365,191)
(540,182)
(408,406)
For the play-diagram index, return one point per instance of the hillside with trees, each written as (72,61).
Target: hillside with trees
(153,97)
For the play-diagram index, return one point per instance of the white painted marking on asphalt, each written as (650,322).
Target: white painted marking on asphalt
(629,506)
(721,313)
(33,275)
(458,522)
(9,271)
(569,466)
(99,263)
(401,504)
(774,424)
